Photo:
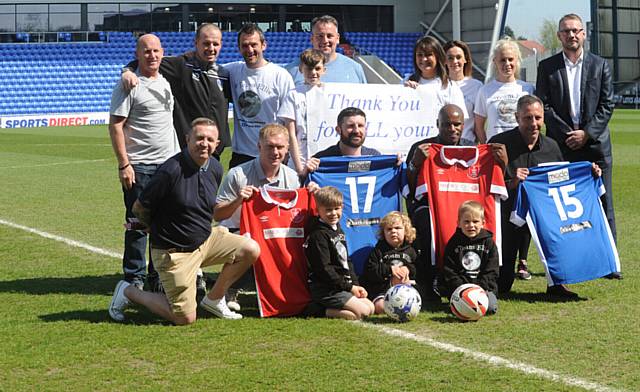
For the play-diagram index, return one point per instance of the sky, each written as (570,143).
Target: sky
(525,16)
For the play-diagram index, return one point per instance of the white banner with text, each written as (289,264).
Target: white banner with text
(397,116)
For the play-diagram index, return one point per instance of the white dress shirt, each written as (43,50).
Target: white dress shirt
(574,76)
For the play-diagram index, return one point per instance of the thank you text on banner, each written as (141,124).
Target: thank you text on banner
(397,116)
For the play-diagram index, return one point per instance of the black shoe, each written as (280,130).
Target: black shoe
(138,283)
(154,284)
(560,290)
(614,275)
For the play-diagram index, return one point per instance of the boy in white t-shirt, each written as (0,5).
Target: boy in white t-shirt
(312,66)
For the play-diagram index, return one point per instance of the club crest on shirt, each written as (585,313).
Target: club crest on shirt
(473,172)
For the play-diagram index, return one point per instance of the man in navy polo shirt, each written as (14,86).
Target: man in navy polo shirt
(177,206)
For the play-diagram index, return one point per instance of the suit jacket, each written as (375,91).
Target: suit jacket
(596,106)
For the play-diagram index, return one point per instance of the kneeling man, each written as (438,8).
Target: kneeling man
(177,206)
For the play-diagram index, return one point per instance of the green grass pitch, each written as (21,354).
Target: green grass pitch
(56,334)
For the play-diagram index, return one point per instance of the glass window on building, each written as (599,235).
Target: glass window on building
(32,17)
(135,17)
(64,17)
(166,17)
(7,19)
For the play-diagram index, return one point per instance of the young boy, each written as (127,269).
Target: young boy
(471,256)
(332,280)
(312,67)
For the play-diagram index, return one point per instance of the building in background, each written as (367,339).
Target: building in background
(615,35)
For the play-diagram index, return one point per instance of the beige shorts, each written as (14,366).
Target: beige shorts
(178,270)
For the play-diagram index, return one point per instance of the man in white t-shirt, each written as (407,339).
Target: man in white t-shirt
(143,137)
(340,68)
(262,94)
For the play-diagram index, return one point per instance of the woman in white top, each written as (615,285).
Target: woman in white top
(431,76)
(496,101)
(460,66)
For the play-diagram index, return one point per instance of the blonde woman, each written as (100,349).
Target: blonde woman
(495,107)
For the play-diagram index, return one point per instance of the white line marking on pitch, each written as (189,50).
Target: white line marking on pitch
(58,238)
(493,360)
(54,164)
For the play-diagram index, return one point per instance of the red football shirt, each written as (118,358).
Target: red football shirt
(275,218)
(453,175)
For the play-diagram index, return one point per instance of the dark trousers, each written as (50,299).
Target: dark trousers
(607,199)
(512,237)
(134,264)
(523,244)
(239,159)
(425,271)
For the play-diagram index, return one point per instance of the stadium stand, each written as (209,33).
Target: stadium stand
(78,77)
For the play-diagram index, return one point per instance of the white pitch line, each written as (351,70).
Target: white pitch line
(64,240)
(53,164)
(494,360)
(491,359)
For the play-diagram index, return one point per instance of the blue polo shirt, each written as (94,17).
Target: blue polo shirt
(181,197)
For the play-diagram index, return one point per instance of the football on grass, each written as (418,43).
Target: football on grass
(402,302)
(469,302)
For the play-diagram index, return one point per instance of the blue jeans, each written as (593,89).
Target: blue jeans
(134,263)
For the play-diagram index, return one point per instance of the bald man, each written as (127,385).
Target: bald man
(199,84)
(143,137)
(450,125)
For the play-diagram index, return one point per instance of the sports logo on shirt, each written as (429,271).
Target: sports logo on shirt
(283,232)
(359,166)
(558,176)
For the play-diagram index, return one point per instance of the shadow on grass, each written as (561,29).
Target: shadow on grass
(100,285)
(537,297)
(137,316)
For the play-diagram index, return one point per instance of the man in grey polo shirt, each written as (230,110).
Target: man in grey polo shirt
(241,181)
(143,137)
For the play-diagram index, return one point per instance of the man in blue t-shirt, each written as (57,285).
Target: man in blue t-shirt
(177,207)
(340,68)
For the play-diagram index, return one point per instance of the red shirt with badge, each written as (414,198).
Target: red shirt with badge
(452,175)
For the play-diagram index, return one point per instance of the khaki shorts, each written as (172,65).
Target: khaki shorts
(178,270)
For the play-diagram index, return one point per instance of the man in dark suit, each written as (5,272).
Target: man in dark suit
(576,89)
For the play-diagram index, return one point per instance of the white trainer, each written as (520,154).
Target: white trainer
(119,301)
(219,308)
(232,299)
